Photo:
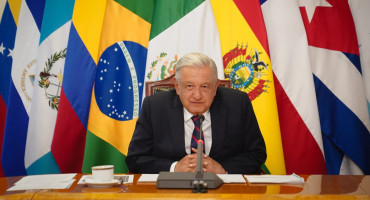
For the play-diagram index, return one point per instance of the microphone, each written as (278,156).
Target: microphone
(199,166)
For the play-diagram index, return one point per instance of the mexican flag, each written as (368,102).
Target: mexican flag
(178,28)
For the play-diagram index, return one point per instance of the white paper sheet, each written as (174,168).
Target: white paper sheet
(47,181)
(232,178)
(123,178)
(293,179)
(227,178)
(148,178)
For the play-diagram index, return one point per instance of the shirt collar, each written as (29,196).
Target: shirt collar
(188,115)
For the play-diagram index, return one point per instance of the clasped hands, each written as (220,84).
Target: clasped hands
(188,164)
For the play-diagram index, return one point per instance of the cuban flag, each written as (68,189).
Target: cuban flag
(337,73)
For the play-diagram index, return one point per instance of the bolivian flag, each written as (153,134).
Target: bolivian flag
(117,93)
(247,64)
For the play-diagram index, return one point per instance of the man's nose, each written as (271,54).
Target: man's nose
(197,94)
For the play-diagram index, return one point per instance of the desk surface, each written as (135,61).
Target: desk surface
(316,187)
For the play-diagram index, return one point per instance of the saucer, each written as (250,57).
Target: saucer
(101,184)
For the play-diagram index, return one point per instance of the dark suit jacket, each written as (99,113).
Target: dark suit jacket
(158,139)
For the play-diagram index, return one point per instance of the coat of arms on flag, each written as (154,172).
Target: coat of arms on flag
(246,71)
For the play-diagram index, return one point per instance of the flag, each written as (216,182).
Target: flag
(295,93)
(68,143)
(337,73)
(21,86)
(2,7)
(8,27)
(178,28)
(48,82)
(247,64)
(119,81)
(360,13)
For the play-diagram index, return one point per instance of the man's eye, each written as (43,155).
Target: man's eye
(189,86)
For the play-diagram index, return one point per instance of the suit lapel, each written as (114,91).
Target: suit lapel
(176,124)
(218,123)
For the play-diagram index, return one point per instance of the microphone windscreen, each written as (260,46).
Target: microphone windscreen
(201,118)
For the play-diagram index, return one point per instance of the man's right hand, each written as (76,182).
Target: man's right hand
(187,163)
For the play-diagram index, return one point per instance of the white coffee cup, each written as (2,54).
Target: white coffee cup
(103,172)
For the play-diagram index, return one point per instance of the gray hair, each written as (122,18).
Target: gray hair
(196,60)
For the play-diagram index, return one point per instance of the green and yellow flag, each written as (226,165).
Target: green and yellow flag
(117,94)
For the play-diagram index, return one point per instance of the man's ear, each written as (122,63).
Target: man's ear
(176,84)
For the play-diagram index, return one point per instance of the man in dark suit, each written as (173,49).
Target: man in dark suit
(163,133)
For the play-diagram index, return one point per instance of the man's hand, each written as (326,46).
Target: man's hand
(210,165)
(187,163)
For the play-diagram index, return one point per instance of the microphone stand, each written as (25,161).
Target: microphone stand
(200,186)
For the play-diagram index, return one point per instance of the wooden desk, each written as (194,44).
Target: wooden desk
(316,187)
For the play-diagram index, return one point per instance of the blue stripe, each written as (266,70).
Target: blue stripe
(7,37)
(262,2)
(355,59)
(44,165)
(56,14)
(15,135)
(79,76)
(37,10)
(343,128)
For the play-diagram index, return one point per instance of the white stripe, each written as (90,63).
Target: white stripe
(2,6)
(42,118)
(348,167)
(25,55)
(290,60)
(337,72)
(133,74)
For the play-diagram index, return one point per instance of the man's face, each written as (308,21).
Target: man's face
(196,89)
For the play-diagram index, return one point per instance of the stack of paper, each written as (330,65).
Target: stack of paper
(49,181)
(293,179)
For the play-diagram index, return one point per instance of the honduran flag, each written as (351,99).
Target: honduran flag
(8,28)
(247,64)
(337,73)
(21,86)
(295,93)
(68,143)
(119,80)
(48,82)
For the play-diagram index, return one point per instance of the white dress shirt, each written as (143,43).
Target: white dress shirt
(189,128)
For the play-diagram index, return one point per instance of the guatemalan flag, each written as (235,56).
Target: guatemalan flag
(337,73)
(47,87)
(21,86)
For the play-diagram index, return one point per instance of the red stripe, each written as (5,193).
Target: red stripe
(252,13)
(302,153)
(69,138)
(195,139)
(2,127)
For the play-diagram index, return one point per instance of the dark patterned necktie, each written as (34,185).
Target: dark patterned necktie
(195,136)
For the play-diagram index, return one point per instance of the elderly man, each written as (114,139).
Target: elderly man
(163,139)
